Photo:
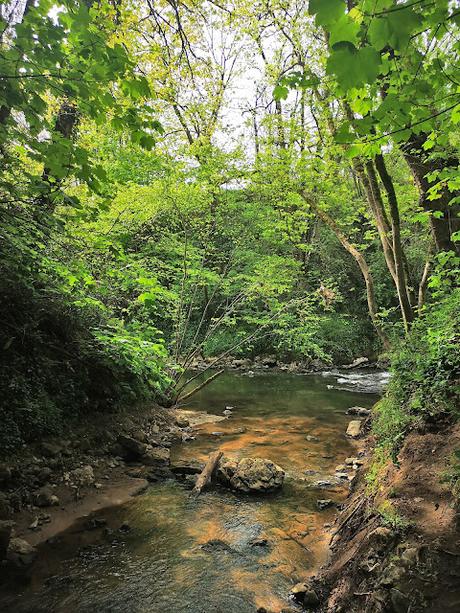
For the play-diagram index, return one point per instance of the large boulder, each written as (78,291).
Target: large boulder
(248,475)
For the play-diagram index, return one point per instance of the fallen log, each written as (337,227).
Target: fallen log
(206,474)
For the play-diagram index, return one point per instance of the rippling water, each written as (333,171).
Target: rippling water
(220,552)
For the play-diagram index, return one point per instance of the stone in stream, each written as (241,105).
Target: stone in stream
(251,475)
(361,411)
(354,462)
(304,594)
(324,504)
(187,467)
(357,362)
(354,428)
(182,422)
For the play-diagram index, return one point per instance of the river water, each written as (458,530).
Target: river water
(219,553)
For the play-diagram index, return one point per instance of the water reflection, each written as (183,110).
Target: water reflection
(220,552)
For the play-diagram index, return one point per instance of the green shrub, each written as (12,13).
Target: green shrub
(425,371)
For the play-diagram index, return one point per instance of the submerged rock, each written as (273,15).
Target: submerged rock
(254,475)
(217,545)
(311,599)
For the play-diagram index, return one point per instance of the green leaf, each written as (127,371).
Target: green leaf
(379,32)
(353,67)
(280,92)
(327,11)
(343,30)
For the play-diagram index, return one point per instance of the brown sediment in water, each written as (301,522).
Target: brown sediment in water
(283,441)
(254,584)
(166,517)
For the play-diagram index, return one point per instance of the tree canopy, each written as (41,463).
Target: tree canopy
(201,179)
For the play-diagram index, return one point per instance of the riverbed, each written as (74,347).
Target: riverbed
(222,552)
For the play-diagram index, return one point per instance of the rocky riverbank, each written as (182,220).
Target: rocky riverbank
(396,545)
(272,362)
(46,486)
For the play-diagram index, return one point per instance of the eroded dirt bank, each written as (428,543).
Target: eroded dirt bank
(396,545)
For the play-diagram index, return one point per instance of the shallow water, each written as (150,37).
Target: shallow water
(220,552)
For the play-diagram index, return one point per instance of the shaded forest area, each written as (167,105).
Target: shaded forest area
(184,180)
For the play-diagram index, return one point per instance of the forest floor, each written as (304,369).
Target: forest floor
(397,542)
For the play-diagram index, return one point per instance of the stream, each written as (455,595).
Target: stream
(220,552)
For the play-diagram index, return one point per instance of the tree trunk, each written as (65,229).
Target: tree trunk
(66,122)
(424,280)
(366,173)
(444,218)
(400,277)
(363,266)
(279,125)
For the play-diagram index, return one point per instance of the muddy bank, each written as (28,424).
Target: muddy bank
(396,545)
(48,485)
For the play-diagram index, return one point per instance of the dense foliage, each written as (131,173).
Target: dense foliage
(152,214)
